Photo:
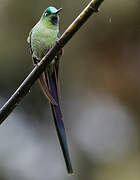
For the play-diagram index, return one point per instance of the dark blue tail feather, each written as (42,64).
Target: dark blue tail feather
(52,80)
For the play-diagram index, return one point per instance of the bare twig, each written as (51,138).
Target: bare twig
(36,72)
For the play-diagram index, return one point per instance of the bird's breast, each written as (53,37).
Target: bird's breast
(41,40)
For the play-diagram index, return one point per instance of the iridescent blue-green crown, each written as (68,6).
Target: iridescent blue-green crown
(51,10)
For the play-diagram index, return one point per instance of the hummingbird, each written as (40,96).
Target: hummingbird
(41,38)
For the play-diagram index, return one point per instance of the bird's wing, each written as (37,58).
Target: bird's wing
(42,80)
(53,84)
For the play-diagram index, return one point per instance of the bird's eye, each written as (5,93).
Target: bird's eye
(46,14)
(54,20)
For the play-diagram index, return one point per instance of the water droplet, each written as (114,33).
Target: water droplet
(110,20)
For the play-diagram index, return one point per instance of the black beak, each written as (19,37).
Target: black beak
(58,10)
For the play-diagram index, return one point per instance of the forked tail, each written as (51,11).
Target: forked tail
(53,84)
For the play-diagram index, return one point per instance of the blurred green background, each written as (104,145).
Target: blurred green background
(100,95)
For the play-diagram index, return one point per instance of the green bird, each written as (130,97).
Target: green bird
(41,38)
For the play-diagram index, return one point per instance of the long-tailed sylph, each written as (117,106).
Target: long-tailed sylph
(41,38)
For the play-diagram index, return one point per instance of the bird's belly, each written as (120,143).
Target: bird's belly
(41,43)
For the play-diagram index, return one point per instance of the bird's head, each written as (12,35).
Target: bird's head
(51,16)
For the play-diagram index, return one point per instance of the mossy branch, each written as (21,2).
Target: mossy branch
(24,88)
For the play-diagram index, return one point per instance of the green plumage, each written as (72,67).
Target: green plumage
(43,35)
(41,38)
